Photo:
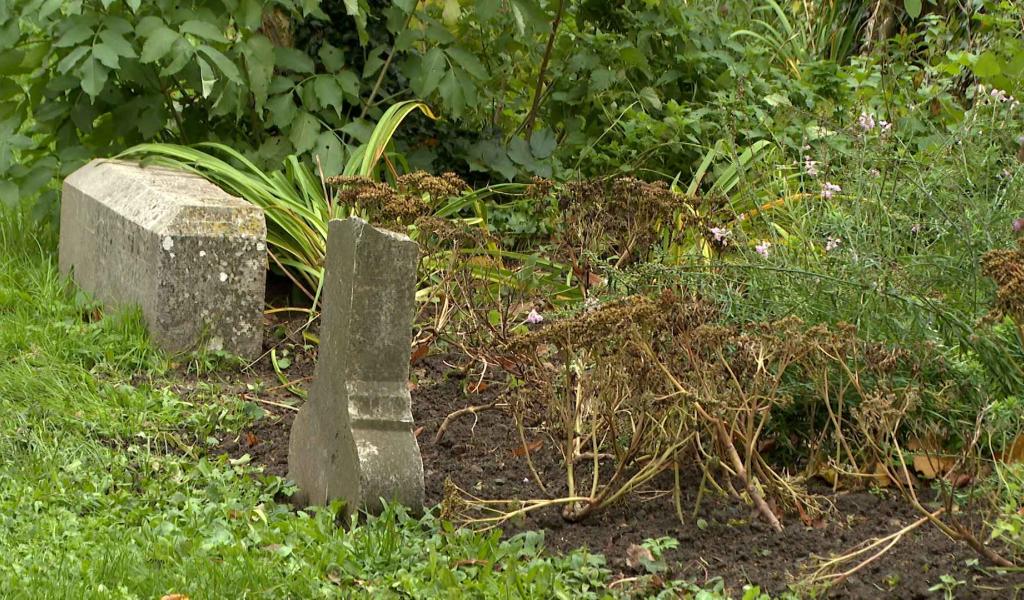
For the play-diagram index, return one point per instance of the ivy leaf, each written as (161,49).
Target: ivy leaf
(224,64)
(304,132)
(431,71)
(543,143)
(68,62)
(106,55)
(94,77)
(468,61)
(203,29)
(184,52)
(75,35)
(913,8)
(349,83)
(259,66)
(331,153)
(452,94)
(282,110)
(332,57)
(158,44)
(117,43)
(329,92)
(293,60)
(519,151)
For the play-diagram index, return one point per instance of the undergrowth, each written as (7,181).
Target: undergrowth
(107,491)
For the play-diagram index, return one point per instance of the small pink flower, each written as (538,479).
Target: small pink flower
(832,243)
(1018,225)
(885,127)
(810,167)
(721,235)
(534,317)
(866,122)
(829,189)
(763,248)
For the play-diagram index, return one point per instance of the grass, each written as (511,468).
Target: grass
(107,490)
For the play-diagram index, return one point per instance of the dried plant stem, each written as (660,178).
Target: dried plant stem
(822,573)
(529,458)
(469,410)
(500,516)
(726,441)
(741,472)
(677,500)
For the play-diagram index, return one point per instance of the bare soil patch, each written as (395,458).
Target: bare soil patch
(481,453)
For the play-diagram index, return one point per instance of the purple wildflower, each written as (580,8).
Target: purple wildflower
(810,167)
(866,122)
(1018,225)
(829,189)
(721,234)
(763,248)
(534,317)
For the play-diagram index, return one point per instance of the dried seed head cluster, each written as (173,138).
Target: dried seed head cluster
(412,196)
(604,218)
(446,185)
(1006,268)
(449,232)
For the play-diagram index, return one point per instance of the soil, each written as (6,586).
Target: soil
(482,454)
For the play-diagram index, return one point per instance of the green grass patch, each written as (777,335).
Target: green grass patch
(102,496)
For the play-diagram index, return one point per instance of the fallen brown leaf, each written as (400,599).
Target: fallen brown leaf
(636,555)
(533,446)
(419,352)
(930,466)
(880,476)
(1016,452)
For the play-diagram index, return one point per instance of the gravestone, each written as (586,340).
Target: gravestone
(191,255)
(353,438)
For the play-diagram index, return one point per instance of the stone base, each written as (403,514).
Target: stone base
(192,256)
(353,439)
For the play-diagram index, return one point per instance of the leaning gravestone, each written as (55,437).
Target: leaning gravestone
(353,439)
(192,256)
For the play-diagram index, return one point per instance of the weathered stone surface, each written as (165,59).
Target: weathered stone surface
(353,439)
(192,256)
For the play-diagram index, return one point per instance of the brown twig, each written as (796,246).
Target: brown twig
(469,410)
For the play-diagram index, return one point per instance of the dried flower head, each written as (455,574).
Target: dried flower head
(1006,268)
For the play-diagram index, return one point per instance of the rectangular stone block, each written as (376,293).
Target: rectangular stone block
(190,255)
(353,439)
